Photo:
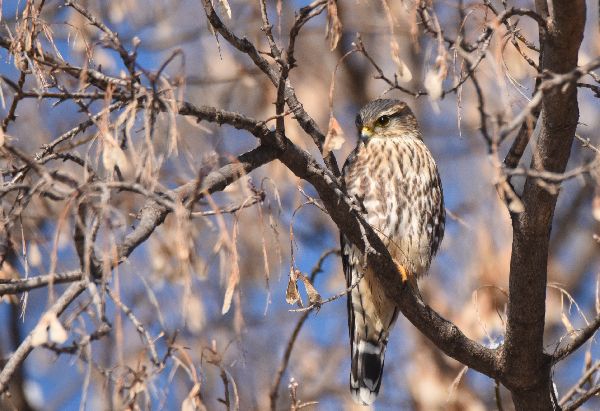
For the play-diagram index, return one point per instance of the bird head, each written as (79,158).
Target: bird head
(384,118)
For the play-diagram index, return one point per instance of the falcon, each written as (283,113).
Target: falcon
(392,173)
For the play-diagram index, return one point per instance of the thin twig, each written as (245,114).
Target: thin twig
(15,360)
(274,391)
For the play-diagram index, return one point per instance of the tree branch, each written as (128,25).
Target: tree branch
(28,284)
(26,347)
(578,340)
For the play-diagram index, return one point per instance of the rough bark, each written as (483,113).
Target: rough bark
(526,366)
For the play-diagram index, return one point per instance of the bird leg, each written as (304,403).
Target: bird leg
(403,272)
(406,276)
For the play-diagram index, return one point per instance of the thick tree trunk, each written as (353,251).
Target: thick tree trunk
(527,367)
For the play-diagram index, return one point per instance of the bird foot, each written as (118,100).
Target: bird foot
(403,272)
(407,277)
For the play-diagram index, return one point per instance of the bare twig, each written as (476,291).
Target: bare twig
(577,341)
(274,392)
(585,378)
(15,360)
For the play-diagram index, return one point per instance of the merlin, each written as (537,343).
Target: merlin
(394,176)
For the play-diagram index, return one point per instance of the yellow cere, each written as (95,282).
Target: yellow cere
(366,132)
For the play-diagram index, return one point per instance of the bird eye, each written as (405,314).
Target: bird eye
(383,121)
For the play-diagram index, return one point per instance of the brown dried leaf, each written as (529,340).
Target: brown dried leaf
(566,322)
(515,205)
(225,7)
(112,156)
(313,295)
(192,402)
(279,7)
(435,78)
(454,387)
(56,332)
(564,318)
(234,278)
(194,314)
(39,335)
(335,137)
(403,71)
(334,25)
(234,275)
(404,74)
(587,360)
(292,296)
(433,84)
(35,256)
(48,329)
(596,206)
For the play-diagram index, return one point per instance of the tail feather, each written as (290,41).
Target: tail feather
(370,318)
(366,370)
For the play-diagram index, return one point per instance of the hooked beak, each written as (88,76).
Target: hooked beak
(365,133)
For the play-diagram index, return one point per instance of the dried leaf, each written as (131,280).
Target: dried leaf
(279,7)
(48,329)
(234,274)
(335,137)
(433,84)
(56,332)
(112,155)
(182,238)
(234,279)
(313,295)
(566,322)
(193,313)
(192,401)
(334,25)
(596,206)
(435,78)
(136,41)
(587,360)
(515,205)
(404,74)
(225,7)
(188,404)
(39,335)
(454,386)
(292,296)
(34,255)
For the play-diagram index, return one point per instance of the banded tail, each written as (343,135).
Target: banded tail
(366,370)
(371,316)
